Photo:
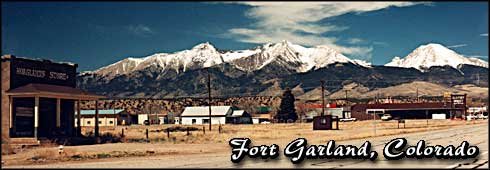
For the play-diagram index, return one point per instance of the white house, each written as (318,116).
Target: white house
(153,119)
(219,115)
(108,117)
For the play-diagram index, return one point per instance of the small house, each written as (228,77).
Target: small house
(239,117)
(108,117)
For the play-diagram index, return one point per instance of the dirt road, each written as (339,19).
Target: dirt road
(474,134)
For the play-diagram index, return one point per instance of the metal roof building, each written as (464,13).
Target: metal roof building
(219,115)
(200,111)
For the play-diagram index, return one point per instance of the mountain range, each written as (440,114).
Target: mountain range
(271,67)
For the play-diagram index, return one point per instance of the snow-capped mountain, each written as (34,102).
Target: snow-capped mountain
(433,54)
(284,54)
(362,62)
(292,56)
(272,66)
(200,56)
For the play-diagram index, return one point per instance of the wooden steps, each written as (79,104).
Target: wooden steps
(24,141)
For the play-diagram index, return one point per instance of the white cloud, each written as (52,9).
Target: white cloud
(484,35)
(298,22)
(355,40)
(140,30)
(457,45)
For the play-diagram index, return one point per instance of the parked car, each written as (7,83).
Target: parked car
(347,119)
(265,122)
(386,117)
(482,116)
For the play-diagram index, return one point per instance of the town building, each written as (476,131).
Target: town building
(263,114)
(147,119)
(219,115)
(126,118)
(39,98)
(107,118)
(478,112)
(453,107)
(239,117)
(312,110)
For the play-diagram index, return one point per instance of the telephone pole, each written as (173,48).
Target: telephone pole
(209,98)
(478,78)
(323,97)
(346,102)
(417,93)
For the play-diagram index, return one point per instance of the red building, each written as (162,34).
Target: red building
(454,107)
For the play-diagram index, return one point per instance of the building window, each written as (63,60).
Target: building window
(194,121)
(88,122)
(205,121)
(100,122)
(111,122)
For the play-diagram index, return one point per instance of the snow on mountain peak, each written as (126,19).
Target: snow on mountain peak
(362,63)
(286,54)
(433,54)
(293,56)
(200,56)
(204,46)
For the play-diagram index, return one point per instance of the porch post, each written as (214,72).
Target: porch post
(96,118)
(11,112)
(58,112)
(79,126)
(36,115)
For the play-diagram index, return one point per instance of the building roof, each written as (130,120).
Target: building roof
(55,91)
(406,106)
(263,109)
(237,113)
(204,111)
(101,112)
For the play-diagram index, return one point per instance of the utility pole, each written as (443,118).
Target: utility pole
(417,93)
(323,97)
(374,122)
(478,78)
(149,114)
(346,102)
(209,98)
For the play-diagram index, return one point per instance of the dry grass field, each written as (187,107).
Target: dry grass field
(269,133)
(134,142)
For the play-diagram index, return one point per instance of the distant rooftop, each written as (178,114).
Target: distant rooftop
(101,112)
(204,111)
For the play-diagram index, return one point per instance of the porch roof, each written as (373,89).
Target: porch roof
(54,91)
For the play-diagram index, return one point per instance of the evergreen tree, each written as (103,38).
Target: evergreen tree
(286,109)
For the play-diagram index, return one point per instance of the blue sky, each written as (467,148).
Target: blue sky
(95,34)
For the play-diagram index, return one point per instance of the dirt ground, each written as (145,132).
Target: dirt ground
(134,143)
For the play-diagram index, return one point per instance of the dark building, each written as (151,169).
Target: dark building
(454,106)
(39,98)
